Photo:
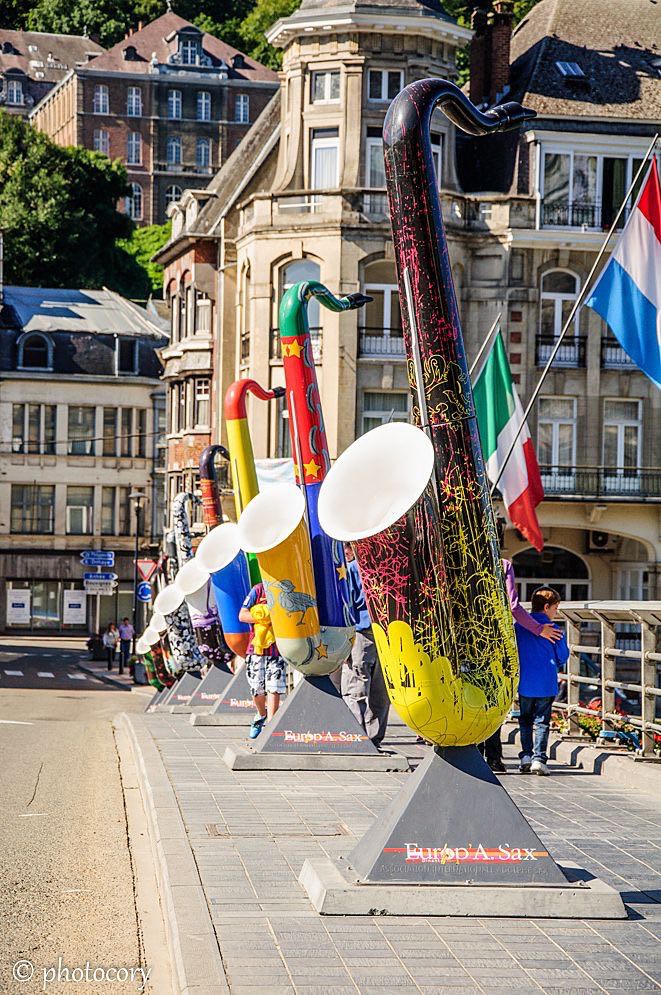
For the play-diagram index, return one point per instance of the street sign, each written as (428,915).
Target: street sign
(99,576)
(100,586)
(147,568)
(98,557)
(143,591)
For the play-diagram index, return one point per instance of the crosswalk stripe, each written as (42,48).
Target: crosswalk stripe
(76,677)
(14,673)
(45,673)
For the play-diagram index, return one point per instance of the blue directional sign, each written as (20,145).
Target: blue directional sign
(99,576)
(98,557)
(143,591)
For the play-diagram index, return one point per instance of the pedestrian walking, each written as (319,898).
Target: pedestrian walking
(362,684)
(110,640)
(126,634)
(539,661)
(265,668)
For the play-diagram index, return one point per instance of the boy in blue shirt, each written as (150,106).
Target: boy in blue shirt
(539,660)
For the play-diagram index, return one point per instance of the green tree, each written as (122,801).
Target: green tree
(259,20)
(137,276)
(58,210)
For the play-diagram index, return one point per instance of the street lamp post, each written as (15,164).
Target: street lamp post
(137,497)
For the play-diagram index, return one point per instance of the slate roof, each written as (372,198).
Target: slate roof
(617,44)
(96,312)
(433,6)
(159,37)
(67,51)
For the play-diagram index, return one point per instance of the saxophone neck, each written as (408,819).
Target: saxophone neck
(293,314)
(208,461)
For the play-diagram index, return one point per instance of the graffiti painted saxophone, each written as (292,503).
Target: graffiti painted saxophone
(189,631)
(212,509)
(303,569)
(425,536)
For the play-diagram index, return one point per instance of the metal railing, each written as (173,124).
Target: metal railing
(381,342)
(591,629)
(613,356)
(562,214)
(589,482)
(275,343)
(570,354)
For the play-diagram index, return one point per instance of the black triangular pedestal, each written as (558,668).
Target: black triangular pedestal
(165,696)
(234,707)
(157,698)
(453,823)
(314,725)
(211,688)
(184,689)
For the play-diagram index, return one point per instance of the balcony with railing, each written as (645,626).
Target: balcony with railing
(275,344)
(183,168)
(613,356)
(587,483)
(381,343)
(592,216)
(571,353)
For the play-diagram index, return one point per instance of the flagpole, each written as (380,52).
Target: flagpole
(484,345)
(577,303)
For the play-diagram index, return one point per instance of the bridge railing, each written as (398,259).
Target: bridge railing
(605,636)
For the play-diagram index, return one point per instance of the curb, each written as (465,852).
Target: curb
(615,767)
(102,677)
(197,967)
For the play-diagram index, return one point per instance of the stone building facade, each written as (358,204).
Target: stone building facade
(81,427)
(169,100)
(524,215)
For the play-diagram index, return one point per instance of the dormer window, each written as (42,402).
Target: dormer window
(35,352)
(570,70)
(189,51)
(14,92)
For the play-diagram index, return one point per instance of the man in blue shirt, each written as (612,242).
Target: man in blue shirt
(363,687)
(539,660)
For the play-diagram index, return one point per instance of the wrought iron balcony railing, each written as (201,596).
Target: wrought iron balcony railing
(563,214)
(613,356)
(585,483)
(381,342)
(275,345)
(571,353)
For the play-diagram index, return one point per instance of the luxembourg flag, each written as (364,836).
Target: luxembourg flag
(499,416)
(627,295)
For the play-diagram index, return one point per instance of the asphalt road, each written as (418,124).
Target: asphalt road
(66,880)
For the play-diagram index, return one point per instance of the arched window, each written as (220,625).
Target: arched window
(203,105)
(35,352)
(173,150)
(555,567)
(380,321)
(203,152)
(296,272)
(174,104)
(173,194)
(559,290)
(134,202)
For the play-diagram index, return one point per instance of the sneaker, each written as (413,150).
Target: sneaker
(498,767)
(524,765)
(257,726)
(537,767)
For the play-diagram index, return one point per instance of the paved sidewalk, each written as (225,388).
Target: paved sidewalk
(250,832)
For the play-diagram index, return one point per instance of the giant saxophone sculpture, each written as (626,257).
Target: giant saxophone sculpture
(303,569)
(424,531)
(212,509)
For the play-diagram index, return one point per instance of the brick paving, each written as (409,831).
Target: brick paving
(250,833)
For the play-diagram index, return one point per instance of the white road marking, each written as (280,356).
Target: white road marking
(45,673)
(77,677)
(14,673)
(14,722)
(30,815)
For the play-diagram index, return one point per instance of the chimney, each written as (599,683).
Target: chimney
(500,23)
(479,54)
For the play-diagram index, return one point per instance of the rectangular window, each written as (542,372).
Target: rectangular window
(381,322)
(174,105)
(50,429)
(124,508)
(203,152)
(32,509)
(127,355)
(622,437)
(584,189)
(324,159)
(201,410)
(189,51)
(384,84)
(242,108)
(14,92)
(81,430)
(140,447)
(380,407)
(80,511)
(203,105)
(125,440)
(101,140)
(556,441)
(134,101)
(107,511)
(110,431)
(173,150)
(18,428)
(134,148)
(33,428)
(325,87)
(100,104)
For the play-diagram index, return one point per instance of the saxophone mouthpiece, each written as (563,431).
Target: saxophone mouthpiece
(510,115)
(358,300)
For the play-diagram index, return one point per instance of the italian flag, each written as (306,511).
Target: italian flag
(499,415)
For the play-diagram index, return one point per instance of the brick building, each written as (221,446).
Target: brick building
(33,62)
(169,100)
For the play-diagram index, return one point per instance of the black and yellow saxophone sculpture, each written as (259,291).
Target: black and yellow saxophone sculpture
(414,501)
